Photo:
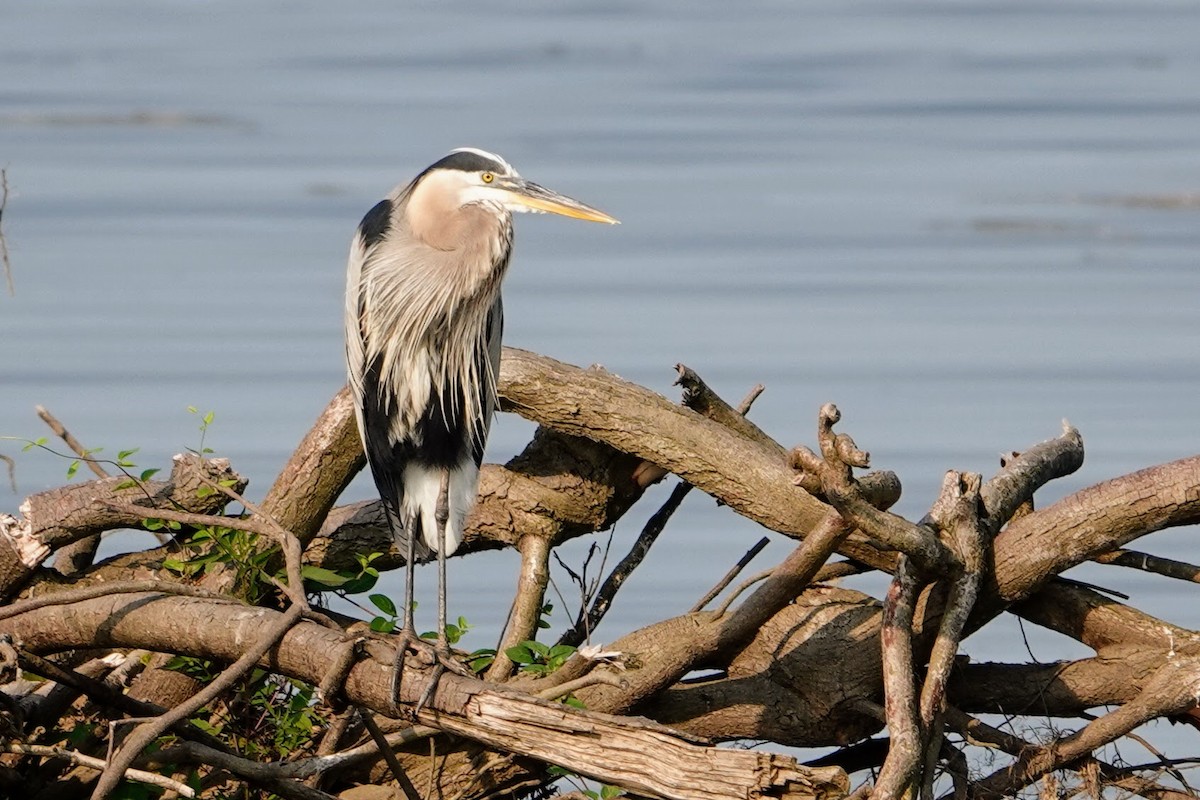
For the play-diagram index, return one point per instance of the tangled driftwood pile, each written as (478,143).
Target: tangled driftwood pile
(793,660)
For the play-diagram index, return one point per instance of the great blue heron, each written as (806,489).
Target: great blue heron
(423,326)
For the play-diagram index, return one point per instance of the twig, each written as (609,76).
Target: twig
(318,765)
(268,776)
(3,242)
(78,449)
(588,620)
(79,555)
(1167,567)
(591,679)
(831,475)
(733,572)
(267,528)
(1173,688)
(1022,473)
(141,776)
(961,519)
(389,755)
(288,543)
(12,471)
(757,577)
(788,579)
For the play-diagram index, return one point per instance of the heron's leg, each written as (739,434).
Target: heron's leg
(408,634)
(441,516)
(445,660)
(410,572)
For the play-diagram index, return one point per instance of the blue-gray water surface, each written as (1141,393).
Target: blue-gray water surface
(960,221)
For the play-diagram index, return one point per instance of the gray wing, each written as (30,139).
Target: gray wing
(372,410)
(491,369)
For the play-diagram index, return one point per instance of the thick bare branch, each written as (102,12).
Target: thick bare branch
(595,404)
(324,463)
(1024,473)
(1093,521)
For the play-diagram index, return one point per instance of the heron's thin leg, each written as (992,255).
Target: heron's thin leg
(441,515)
(410,571)
(408,634)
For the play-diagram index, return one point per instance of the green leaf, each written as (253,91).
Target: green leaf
(124,454)
(174,564)
(383,625)
(148,473)
(574,702)
(540,648)
(609,792)
(208,418)
(360,584)
(126,484)
(205,491)
(383,603)
(72,469)
(561,651)
(481,659)
(152,524)
(192,410)
(323,576)
(520,654)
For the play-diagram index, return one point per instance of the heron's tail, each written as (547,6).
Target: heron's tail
(400,535)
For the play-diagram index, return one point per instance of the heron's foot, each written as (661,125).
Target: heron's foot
(440,657)
(406,640)
(445,660)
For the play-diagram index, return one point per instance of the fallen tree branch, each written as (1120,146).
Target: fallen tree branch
(645,757)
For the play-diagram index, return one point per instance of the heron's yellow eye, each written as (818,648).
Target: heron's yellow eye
(488,177)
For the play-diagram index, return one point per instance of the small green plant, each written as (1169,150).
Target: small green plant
(545,611)
(454,631)
(537,658)
(224,547)
(122,462)
(481,659)
(206,419)
(391,618)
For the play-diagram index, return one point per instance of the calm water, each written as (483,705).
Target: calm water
(962,222)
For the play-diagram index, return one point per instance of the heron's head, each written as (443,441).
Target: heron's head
(468,177)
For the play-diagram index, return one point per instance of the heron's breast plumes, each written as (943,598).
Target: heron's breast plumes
(426,327)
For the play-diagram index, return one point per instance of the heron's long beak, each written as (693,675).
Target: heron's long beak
(539,198)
